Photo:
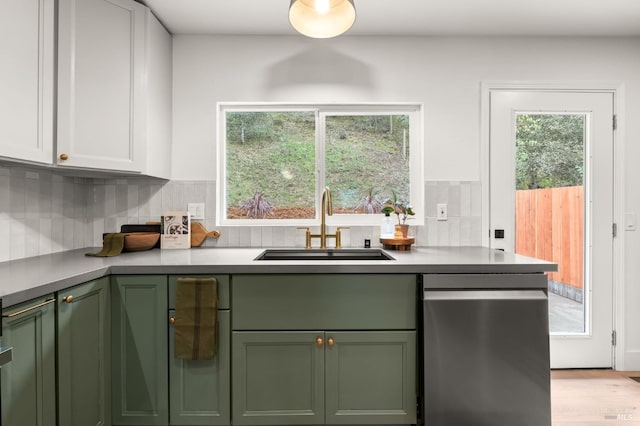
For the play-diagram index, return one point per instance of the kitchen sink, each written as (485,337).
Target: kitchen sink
(324,254)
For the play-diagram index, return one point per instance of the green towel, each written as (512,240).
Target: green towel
(195,318)
(112,245)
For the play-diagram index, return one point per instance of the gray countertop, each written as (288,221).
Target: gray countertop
(34,277)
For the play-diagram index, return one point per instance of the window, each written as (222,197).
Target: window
(275,161)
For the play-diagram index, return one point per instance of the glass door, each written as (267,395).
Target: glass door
(551,181)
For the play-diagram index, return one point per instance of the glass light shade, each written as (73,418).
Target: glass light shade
(309,18)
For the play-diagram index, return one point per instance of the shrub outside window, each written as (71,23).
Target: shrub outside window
(275,160)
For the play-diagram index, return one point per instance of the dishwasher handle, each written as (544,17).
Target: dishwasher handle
(460,295)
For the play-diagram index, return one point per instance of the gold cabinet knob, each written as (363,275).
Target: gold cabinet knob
(330,342)
(68,299)
(64,157)
(172,320)
(319,341)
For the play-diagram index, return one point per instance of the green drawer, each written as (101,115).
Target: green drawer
(324,302)
(223,289)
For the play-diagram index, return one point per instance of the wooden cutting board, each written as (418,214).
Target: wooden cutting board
(199,233)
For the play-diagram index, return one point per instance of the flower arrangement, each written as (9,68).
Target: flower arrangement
(401,209)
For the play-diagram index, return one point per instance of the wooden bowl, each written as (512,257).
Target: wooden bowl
(139,241)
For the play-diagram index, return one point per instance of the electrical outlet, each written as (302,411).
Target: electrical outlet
(442,212)
(196,211)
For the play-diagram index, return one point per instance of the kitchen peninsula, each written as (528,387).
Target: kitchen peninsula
(299,341)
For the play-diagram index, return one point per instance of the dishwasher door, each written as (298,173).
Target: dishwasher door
(486,358)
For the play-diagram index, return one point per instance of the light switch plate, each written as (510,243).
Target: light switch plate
(630,221)
(196,211)
(442,213)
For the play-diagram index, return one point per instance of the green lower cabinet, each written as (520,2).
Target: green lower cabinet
(370,377)
(199,389)
(278,378)
(360,377)
(139,331)
(28,381)
(84,356)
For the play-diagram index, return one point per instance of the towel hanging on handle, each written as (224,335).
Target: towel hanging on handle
(196,315)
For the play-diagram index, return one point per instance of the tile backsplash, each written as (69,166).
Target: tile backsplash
(42,212)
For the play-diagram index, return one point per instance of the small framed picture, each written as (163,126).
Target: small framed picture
(175,230)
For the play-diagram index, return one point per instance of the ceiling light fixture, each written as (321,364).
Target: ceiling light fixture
(322,18)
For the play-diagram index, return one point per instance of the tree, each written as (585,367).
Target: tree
(549,150)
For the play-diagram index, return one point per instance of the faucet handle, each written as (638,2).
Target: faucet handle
(307,236)
(339,235)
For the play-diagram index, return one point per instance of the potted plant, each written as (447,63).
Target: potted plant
(402,211)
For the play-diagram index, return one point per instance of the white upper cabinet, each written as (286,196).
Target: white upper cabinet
(101,84)
(114,88)
(27,80)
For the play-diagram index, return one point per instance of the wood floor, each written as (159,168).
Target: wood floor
(595,397)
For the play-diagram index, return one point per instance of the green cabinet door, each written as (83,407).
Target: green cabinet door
(28,381)
(139,332)
(370,377)
(278,378)
(199,389)
(84,357)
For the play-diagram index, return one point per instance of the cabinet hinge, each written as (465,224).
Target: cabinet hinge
(615,122)
(614,338)
(614,230)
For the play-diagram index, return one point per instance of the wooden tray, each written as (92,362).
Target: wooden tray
(399,244)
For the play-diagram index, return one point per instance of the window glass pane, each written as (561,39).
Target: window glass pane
(550,205)
(270,165)
(366,160)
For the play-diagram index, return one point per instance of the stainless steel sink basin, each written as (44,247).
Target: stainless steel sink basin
(324,254)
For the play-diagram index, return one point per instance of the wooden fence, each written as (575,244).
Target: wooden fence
(550,226)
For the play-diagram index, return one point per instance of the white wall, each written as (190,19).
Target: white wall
(443,73)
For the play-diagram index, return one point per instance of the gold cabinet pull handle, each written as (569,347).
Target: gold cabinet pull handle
(319,341)
(330,342)
(64,157)
(172,320)
(68,299)
(29,309)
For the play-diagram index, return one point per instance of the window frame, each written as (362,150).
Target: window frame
(416,149)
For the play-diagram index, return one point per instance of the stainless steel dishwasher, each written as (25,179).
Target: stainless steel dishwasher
(486,350)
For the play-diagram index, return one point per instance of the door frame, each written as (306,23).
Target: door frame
(617,89)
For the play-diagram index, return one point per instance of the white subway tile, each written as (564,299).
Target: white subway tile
(32,237)
(432,231)
(453,200)
(443,233)
(155,202)
(133,201)
(57,197)
(122,198)
(18,240)
(17,201)
(267,236)
(256,237)
(144,196)
(44,238)
(167,198)
(5,243)
(45,190)
(110,200)
(476,199)
(465,199)
(32,198)
(57,234)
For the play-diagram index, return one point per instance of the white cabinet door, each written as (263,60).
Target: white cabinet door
(26,80)
(101,84)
